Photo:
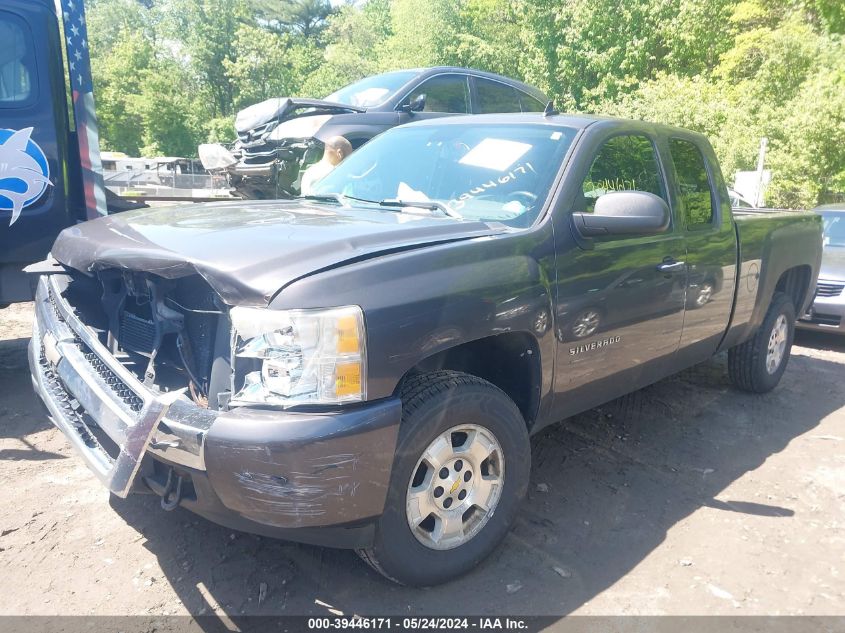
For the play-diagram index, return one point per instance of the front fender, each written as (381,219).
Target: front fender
(419,303)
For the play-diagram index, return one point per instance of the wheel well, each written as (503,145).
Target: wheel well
(510,361)
(795,282)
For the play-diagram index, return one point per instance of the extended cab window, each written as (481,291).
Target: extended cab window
(16,62)
(496,97)
(624,163)
(693,182)
(447,93)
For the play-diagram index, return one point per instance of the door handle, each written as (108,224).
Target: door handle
(669,265)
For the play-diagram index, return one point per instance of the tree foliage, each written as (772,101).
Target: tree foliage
(303,17)
(170,74)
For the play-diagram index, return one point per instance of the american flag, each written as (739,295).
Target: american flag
(82,87)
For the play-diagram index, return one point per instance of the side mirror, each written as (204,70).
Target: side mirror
(624,213)
(417,105)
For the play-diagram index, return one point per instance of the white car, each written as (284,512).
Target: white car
(827,313)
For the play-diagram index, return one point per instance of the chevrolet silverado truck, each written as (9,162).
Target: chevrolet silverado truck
(362,368)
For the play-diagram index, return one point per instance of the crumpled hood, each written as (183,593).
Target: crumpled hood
(248,251)
(279,107)
(833,264)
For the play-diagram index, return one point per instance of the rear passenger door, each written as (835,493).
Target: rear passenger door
(620,299)
(711,246)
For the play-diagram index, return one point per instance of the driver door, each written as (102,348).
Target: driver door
(620,298)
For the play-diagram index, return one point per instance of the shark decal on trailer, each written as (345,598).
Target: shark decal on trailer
(24,171)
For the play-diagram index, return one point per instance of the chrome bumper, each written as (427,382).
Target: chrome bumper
(86,390)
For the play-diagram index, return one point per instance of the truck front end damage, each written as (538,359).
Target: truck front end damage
(136,370)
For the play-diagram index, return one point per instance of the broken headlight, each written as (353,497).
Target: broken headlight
(293,357)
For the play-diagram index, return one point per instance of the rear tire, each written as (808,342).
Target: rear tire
(452,420)
(758,364)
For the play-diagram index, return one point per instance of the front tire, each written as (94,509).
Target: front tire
(757,365)
(461,470)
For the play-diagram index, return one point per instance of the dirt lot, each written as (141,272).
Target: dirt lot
(685,498)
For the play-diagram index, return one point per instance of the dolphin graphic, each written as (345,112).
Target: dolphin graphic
(16,164)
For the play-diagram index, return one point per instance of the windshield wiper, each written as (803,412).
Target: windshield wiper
(323,197)
(335,197)
(431,205)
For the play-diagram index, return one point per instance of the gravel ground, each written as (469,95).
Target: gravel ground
(684,498)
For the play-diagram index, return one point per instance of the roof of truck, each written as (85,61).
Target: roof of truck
(577,121)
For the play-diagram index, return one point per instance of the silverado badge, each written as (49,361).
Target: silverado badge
(589,347)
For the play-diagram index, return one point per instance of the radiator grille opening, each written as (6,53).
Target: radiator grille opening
(829,289)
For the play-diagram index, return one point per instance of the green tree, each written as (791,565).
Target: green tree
(204,33)
(423,33)
(488,36)
(303,17)
(167,113)
(808,157)
(356,37)
(266,64)
(118,80)
(587,52)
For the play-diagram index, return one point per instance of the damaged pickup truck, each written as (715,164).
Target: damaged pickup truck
(363,368)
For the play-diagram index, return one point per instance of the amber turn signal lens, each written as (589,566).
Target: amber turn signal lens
(347,335)
(348,379)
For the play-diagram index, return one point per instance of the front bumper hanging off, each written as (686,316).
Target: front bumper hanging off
(317,477)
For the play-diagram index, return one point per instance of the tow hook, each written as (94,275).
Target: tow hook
(172,492)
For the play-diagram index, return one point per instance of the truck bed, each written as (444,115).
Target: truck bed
(770,241)
(739,212)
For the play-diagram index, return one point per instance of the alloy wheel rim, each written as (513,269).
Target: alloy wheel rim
(455,487)
(777,344)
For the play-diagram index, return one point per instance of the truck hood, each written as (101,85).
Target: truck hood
(277,108)
(833,264)
(248,252)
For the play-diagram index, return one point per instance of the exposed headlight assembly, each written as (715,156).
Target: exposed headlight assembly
(293,357)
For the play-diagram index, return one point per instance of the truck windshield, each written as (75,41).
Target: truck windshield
(371,91)
(834,229)
(491,172)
